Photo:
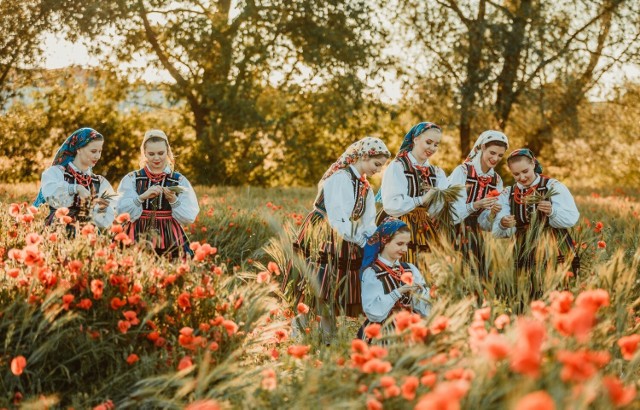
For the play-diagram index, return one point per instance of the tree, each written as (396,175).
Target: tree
(223,60)
(494,54)
(21,25)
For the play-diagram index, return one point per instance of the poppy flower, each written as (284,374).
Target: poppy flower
(230,326)
(298,351)
(602,244)
(628,346)
(263,277)
(123,218)
(502,321)
(273,268)
(372,330)
(18,364)
(439,325)
(132,358)
(493,193)
(618,394)
(539,400)
(203,405)
(407,278)
(302,308)
(185,362)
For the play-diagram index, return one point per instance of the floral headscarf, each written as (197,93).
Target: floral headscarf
(381,236)
(414,132)
(484,138)
(526,152)
(68,150)
(369,146)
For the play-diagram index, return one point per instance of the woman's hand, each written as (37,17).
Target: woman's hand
(83,192)
(405,289)
(426,197)
(485,203)
(170,195)
(495,208)
(545,207)
(508,221)
(102,203)
(151,193)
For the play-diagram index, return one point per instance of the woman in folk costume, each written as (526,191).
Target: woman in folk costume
(70,182)
(333,234)
(158,199)
(478,204)
(407,182)
(389,285)
(534,201)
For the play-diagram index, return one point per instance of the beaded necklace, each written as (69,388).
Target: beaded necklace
(519,196)
(395,275)
(81,179)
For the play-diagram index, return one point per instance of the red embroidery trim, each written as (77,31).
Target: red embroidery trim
(393,273)
(154,177)
(519,196)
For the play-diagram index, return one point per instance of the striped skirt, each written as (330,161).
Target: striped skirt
(165,234)
(335,265)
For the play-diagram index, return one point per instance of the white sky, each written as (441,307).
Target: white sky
(60,52)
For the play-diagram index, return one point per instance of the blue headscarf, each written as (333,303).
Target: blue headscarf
(381,236)
(414,132)
(407,143)
(68,150)
(526,152)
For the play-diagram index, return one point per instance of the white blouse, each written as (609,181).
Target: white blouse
(377,305)
(184,210)
(459,177)
(564,213)
(339,200)
(59,193)
(395,189)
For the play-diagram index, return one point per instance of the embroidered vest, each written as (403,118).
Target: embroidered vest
(418,183)
(143,183)
(389,283)
(523,212)
(360,191)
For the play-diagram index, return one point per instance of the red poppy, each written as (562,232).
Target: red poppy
(18,364)
(618,394)
(298,351)
(132,358)
(302,308)
(373,330)
(493,193)
(539,400)
(628,346)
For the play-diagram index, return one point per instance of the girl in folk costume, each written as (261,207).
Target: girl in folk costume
(534,199)
(478,204)
(70,183)
(407,182)
(389,285)
(158,199)
(333,234)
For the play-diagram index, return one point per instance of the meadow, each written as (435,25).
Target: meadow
(96,322)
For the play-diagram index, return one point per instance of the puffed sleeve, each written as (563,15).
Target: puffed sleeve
(128,197)
(484,220)
(339,200)
(104,218)
(375,303)
(395,191)
(420,300)
(186,208)
(56,191)
(459,177)
(497,229)
(564,213)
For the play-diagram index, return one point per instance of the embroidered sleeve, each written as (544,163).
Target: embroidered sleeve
(128,197)
(395,191)
(186,208)
(564,212)
(56,191)
(339,201)
(375,303)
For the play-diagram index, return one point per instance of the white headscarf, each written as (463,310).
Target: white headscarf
(369,146)
(486,137)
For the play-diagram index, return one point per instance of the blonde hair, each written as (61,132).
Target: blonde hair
(156,136)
